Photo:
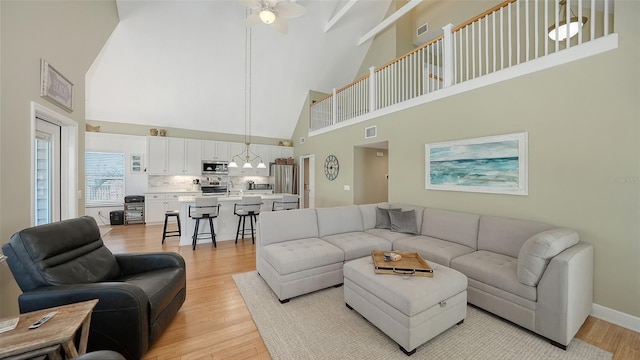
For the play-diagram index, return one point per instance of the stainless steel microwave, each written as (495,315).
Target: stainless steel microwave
(215,167)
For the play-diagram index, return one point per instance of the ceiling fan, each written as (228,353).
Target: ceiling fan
(273,12)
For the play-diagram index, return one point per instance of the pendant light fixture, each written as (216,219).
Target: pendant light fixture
(572,28)
(246,156)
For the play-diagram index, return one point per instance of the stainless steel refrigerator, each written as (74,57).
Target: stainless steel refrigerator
(285,180)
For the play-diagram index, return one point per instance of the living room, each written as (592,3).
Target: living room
(579,117)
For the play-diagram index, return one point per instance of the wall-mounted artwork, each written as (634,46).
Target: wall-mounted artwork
(55,87)
(493,164)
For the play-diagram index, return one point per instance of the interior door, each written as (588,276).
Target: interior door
(47,172)
(306,182)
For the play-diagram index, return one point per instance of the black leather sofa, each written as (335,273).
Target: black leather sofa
(67,262)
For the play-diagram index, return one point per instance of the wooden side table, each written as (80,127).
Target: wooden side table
(59,332)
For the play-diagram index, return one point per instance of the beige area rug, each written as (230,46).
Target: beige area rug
(319,326)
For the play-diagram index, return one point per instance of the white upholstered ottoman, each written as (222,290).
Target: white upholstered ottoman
(410,310)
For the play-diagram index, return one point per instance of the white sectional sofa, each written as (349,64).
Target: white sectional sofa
(536,275)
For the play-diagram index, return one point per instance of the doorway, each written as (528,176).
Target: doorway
(54,166)
(47,172)
(371,173)
(307,181)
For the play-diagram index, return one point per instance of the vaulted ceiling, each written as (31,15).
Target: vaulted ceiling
(181,64)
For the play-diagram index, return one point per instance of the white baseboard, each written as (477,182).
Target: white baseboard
(616,317)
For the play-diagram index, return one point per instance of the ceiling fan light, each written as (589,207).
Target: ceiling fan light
(267,16)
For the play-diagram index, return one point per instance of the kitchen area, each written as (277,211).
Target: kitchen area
(176,170)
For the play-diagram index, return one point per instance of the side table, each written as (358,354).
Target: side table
(59,332)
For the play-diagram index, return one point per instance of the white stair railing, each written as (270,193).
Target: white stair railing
(509,34)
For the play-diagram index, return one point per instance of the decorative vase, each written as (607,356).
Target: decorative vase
(153,132)
(163,132)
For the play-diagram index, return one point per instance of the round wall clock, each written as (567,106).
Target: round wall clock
(331,167)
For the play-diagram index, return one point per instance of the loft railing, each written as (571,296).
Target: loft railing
(509,34)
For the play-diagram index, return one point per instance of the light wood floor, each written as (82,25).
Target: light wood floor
(214,322)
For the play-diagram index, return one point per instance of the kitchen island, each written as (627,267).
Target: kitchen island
(226,224)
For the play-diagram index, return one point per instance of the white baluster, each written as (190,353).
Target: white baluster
(593,20)
(501,38)
(372,89)
(606,17)
(334,110)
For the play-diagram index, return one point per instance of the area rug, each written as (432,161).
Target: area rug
(319,326)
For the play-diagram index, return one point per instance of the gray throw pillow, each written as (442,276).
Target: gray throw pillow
(404,221)
(382,218)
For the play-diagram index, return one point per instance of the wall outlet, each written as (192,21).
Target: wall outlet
(347,188)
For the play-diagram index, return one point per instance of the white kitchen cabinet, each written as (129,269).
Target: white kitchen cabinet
(276,152)
(157,204)
(157,155)
(173,156)
(215,150)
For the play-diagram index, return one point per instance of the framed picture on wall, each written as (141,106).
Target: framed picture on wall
(493,164)
(137,163)
(55,87)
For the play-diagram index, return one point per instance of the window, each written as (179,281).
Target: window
(104,177)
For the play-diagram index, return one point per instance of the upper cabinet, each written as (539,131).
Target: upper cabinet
(276,152)
(216,150)
(174,156)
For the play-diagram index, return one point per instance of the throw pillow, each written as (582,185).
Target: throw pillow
(538,250)
(382,218)
(403,221)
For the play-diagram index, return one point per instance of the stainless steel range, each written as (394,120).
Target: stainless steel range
(212,190)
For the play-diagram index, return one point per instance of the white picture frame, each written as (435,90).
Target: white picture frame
(137,163)
(55,87)
(492,164)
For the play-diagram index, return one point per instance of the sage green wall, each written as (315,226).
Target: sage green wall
(584,154)
(137,129)
(69,35)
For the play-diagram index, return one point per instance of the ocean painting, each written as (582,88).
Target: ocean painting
(495,164)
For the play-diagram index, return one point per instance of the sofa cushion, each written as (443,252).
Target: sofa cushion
(303,254)
(357,244)
(403,221)
(493,269)
(506,236)
(459,227)
(338,220)
(536,252)
(388,234)
(383,221)
(432,249)
(161,287)
(368,212)
(278,226)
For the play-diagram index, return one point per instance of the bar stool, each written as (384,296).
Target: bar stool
(288,202)
(249,206)
(206,207)
(165,233)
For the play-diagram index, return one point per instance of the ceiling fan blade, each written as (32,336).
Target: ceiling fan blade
(252,20)
(289,10)
(251,4)
(280,25)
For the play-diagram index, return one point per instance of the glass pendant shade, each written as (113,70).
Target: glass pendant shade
(247,165)
(561,32)
(267,16)
(261,165)
(233,164)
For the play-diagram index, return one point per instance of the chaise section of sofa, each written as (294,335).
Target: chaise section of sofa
(291,257)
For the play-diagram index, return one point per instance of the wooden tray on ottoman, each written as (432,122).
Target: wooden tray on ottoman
(411,263)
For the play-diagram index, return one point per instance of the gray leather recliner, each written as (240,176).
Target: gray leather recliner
(66,262)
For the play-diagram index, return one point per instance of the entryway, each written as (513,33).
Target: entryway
(306,182)
(371,173)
